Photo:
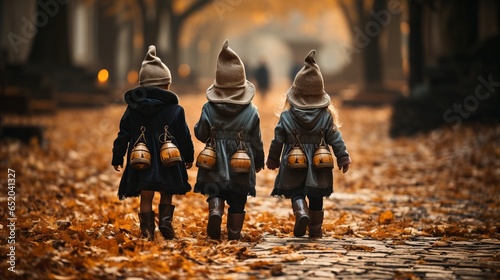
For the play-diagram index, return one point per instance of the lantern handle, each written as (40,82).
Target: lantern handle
(142,136)
(166,136)
(211,139)
(322,142)
(241,144)
(297,140)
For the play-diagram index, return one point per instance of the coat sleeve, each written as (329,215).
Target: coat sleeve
(121,142)
(183,136)
(334,139)
(256,142)
(202,127)
(277,143)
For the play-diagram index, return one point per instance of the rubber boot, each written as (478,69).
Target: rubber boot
(215,212)
(302,219)
(316,223)
(166,213)
(147,224)
(234,225)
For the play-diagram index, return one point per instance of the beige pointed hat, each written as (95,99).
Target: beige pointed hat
(308,90)
(153,71)
(230,85)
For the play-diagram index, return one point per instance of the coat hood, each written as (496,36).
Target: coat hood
(149,100)
(228,110)
(306,118)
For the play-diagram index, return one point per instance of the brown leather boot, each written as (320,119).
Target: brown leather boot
(147,224)
(300,211)
(234,225)
(215,212)
(316,223)
(166,213)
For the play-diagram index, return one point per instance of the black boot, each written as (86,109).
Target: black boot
(215,212)
(316,223)
(147,224)
(166,213)
(300,211)
(234,225)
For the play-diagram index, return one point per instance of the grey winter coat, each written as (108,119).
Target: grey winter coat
(308,124)
(228,120)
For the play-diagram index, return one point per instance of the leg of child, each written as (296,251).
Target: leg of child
(147,201)
(165,215)
(215,213)
(146,215)
(316,212)
(301,212)
(236,215)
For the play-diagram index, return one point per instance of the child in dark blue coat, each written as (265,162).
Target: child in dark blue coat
(153,106)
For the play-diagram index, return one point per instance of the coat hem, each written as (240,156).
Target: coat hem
(212,188)
(308,191)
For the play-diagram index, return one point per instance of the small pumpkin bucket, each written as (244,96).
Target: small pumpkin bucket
(297,159)
(322,157)
(140,158)
(240,162)
(207,159)
(169,153)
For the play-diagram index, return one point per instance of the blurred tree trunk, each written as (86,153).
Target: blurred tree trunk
(416,49)
(51,42)
(176,22)
(370,54)
(151,24)
(372,70)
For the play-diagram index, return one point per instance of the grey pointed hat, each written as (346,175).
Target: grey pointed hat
(153,71)
(230,85)
(308,90)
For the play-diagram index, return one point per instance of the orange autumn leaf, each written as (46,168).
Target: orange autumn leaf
(386,217)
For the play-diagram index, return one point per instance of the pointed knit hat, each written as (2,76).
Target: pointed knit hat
(153,71)
(307,90)
(230,85)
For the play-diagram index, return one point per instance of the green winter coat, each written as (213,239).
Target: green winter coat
(308,124)
(228,120)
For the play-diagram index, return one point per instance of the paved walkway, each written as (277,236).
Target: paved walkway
(358,258)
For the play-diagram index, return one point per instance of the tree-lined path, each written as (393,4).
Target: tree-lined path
(409,208)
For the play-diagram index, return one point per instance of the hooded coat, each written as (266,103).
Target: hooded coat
(308,123)
(228,120)
(153,108)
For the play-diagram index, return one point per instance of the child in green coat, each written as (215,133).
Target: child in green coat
(308,119)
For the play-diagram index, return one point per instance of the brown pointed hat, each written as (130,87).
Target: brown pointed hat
(153,71)
(307,90)
(230,85)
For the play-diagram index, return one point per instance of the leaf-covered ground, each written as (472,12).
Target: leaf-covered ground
(70,222)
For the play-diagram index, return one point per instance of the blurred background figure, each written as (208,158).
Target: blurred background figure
(262,78)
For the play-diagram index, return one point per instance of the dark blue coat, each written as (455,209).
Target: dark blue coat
(153,108)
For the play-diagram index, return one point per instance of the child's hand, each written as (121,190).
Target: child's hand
(344,168)
(189,165)
(117,167)
(272,164)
